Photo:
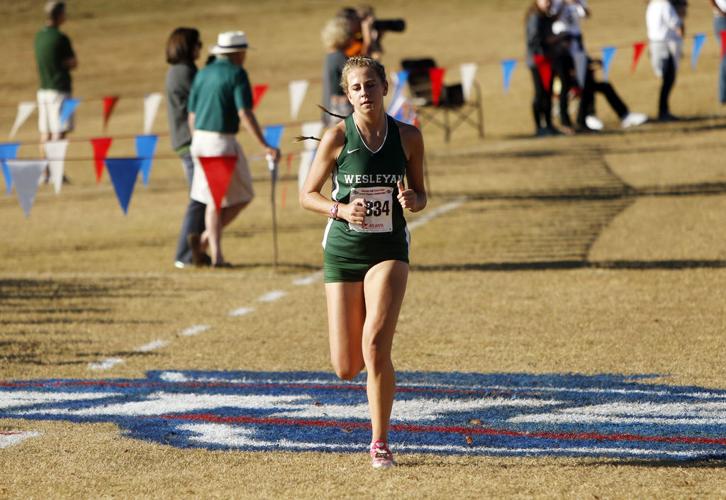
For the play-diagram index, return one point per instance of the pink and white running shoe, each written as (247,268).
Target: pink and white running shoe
(381,455)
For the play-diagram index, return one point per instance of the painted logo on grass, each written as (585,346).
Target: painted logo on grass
(441,413)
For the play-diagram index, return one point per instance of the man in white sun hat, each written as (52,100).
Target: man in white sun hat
(221,99)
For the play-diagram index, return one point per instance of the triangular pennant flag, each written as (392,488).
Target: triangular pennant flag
(437,82)
(68,107)
(508,66)
(145,148)
(698,40)
(580,59)
(218,170)
(273,134)
(25,109)
(723,44)
(8,151)
(396,109)
(311,129)
(26,177)
(55,153)
(298,88)
(544,68)
(109,103)
(123,173)
(257,92)
(607,58)
(306,160)
(101,146)
(468,73)
(399,81)
(151,106)
(638,48)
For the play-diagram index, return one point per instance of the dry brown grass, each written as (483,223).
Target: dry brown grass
(531,274)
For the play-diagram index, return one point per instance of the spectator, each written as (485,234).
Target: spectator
(55,58)
(586,116)
(182,50)
(540,45)
(719,25)
(665,33)
(336,37)
(221,99)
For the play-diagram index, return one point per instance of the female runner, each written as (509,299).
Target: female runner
(366,240)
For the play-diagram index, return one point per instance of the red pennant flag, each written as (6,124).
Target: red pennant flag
(100,150)
(544,67)
(723,44)
(437,81)
(638,48)
(219,170)
(108,105)
(257,92)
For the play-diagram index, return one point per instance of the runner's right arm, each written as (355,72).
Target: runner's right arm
(310,196)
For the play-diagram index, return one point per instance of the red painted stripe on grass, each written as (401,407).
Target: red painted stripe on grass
(569,436)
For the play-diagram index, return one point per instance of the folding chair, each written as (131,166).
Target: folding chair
(451,100)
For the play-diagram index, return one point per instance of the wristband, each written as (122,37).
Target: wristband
(333,212)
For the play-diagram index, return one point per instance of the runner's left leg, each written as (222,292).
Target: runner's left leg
(384,288)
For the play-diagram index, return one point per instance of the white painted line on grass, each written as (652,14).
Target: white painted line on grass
(194,330)
(272,296)
(106,364)
(241,311)
(11,438)
(309,279)
(437,212)
(152,346)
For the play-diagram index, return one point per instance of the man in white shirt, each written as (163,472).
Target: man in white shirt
(719,26)
(665,33)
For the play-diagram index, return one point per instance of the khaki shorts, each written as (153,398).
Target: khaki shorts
(206,143)
(49,111)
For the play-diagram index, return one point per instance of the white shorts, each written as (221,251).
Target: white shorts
(206,143)
(49,110)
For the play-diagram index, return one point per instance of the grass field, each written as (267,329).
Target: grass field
(593,254)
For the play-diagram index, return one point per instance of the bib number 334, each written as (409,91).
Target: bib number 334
(379,208)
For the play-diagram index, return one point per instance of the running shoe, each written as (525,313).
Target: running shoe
(381,456)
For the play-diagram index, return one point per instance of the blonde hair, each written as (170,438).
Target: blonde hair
(361,62)
(335,34)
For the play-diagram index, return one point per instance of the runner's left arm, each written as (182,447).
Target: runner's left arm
(414,197)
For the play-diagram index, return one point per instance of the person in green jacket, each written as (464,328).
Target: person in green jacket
(56,59)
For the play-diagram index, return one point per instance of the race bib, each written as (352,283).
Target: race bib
(379,207)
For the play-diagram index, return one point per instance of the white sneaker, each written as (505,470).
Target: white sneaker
(633,120)
(594,123)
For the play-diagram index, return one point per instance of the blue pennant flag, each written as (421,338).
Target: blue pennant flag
(698,40)
(508,66)
(123,172)
(273,134)
(8,151)
(145,148)
(401,80)
(607,58)
(67,109)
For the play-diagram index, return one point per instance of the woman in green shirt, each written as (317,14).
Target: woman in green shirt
(366,239)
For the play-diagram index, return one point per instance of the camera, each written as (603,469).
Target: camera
(397,25)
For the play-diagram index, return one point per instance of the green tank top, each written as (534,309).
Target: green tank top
(371,175)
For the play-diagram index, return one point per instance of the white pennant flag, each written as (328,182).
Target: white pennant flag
(468,72)
(298,88)
(306,160)
(55,152)
(151,106)
(311,129)
(26,175)
(25,109)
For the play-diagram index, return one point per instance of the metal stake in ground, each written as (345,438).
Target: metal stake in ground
(272,166)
